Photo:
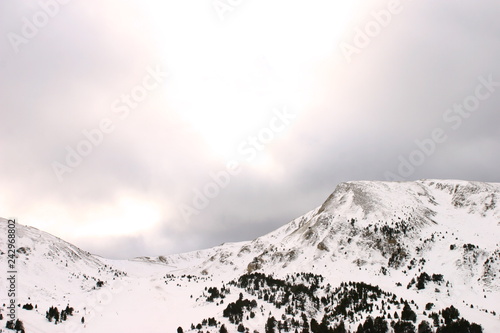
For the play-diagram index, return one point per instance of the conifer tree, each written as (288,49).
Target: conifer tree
(380,325)
(270,325)
(424,327)
(450,314)
(408,313)
(19,326)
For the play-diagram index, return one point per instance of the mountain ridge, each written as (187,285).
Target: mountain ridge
(364,202)
(428,242)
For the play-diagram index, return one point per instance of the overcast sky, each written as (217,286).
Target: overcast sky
(136,128)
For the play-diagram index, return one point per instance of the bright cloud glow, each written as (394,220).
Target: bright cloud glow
(129,216)
(227,76)
(225,79)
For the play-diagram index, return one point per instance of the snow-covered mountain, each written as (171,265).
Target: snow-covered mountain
(425,242)
(377,226)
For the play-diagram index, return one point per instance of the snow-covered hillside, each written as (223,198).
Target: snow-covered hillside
(414,243)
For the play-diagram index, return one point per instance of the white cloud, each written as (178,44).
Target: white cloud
(353,120)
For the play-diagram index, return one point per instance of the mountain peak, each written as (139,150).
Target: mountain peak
(374,225)
(429,241)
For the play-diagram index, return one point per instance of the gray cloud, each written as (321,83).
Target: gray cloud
(363,117)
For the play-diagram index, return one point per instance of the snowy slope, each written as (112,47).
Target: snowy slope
(366,223)
(382,233)
(387,233)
